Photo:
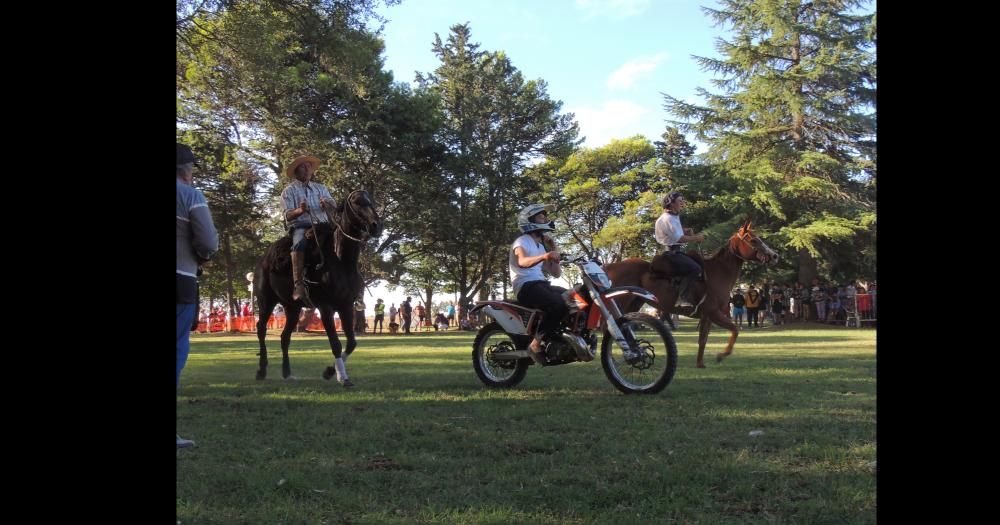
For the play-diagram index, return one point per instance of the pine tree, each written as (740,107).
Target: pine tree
(794,126)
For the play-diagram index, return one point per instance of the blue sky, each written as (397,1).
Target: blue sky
(606,60)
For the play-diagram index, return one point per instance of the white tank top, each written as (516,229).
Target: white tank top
(518,275)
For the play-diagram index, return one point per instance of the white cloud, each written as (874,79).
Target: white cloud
(625,76)
(617,9)
(616,119)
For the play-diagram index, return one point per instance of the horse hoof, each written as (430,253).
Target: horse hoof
(261,374)
(719,357)
(329,372)
(291,378)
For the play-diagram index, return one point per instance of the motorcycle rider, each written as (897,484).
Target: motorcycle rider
(532,253)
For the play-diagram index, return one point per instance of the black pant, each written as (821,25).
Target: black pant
(406,324)
(677,264)
(752,316)
(378,323)
(545,297)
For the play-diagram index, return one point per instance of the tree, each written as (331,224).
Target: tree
(493,123)
(278,78)
(605,197)
(794,126)
(231,189)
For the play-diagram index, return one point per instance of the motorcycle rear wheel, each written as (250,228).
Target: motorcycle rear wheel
(496,373)
(652,367)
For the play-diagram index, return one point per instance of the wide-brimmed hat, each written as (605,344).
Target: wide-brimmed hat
(290,170)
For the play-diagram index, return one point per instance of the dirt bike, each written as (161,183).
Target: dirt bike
(638,352)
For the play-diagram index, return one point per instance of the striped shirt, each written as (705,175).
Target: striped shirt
(196,238)
(297,192)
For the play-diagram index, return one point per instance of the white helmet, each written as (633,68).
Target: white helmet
(529,211)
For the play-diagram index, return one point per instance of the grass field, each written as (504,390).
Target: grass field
(421,441)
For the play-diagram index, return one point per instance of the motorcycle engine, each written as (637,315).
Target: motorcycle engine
(559,352)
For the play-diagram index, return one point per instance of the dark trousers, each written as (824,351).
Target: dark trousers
(406,323)
(752,316)
(378,323)
(676,264)
(545,297)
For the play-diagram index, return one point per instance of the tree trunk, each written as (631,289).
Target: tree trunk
(428,306)
(807,272)
(807,267)
(463,299)
(227,256)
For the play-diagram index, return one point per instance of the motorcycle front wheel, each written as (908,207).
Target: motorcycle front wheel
(651,364)
(496,373)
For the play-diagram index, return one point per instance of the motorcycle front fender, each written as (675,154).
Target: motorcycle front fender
(620,291)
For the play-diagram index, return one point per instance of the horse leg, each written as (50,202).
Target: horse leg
(291,320)
(266,307)
(349,334)
(704,325)
(727,323)
(326,314)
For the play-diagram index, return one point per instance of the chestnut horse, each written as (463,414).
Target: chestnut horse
(720,272)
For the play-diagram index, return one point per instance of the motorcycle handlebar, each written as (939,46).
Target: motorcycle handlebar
(567,259)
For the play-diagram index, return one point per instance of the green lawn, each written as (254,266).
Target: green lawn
(421,441)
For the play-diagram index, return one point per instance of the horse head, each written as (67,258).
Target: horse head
(358,219)
(746,245)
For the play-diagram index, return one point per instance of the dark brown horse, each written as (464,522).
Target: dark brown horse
(720,271)
(332,270)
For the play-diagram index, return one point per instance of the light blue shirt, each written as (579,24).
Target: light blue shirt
(297,192)
(196,234)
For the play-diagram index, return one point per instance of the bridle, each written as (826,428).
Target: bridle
(349,206)
(742,238)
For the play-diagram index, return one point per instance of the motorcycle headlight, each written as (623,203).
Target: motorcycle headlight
(601,279)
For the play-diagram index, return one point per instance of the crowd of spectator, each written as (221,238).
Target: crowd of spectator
(821,302)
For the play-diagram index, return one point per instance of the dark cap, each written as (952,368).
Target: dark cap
(184,154)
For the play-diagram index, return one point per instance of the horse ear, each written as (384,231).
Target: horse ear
(749,225)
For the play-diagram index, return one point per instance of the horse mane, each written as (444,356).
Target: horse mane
(696,255)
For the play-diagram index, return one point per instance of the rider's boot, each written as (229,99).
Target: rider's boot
(536,352)
(298,272)
(682,297)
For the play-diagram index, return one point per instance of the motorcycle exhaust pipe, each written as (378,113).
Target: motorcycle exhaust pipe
(578,345)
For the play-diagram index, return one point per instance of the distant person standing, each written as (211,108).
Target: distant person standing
(777,307)
(406,312)
(379,315)
(819,301)
(739,306)
(421,315)
(359,316)
(197,241)
(753,306)
(451,313)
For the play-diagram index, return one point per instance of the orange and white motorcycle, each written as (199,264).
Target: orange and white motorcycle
(638,352)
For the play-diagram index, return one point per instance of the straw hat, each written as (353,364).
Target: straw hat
(290,170)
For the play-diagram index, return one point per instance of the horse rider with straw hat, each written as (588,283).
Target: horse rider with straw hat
(300,199)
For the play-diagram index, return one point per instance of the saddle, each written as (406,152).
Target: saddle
(660,267)
(279,256)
